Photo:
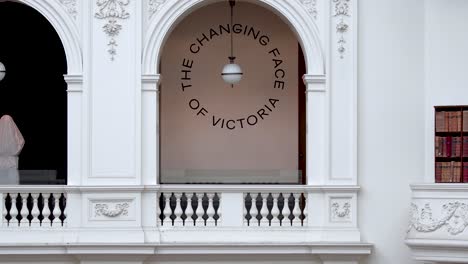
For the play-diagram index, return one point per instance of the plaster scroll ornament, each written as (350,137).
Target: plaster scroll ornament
(154,6)
(112,11)
(311,7)
(344,213)
(453,216)
(103,210)
(341,11)
(70,6)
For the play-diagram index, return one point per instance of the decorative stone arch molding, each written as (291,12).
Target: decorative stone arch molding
(331,85)
(68,32)
(293,12)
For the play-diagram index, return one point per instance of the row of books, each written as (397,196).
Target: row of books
(451,146)
(451,171)
(451,121)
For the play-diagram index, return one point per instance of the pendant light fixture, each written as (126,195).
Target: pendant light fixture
(232,72)
(2,71)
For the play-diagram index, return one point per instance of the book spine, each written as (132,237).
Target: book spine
(465,146)
(465,171)
(456,172)
(447,121)
(440,122)
(445,171)
(465,121)
(438,171)
(456,146)
(448,146)
(459,121)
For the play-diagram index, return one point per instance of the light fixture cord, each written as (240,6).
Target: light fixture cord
(232,3)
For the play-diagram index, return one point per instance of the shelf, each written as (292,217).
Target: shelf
(457,133)
(449,158)
(451,117)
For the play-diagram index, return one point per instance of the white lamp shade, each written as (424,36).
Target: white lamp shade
(232,73)
(2,71)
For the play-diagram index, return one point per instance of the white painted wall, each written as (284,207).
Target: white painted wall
(391,124)
(446,63)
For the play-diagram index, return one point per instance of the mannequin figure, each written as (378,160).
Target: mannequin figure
(11,144)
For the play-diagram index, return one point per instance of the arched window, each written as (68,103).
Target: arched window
(212,132)
(34,93)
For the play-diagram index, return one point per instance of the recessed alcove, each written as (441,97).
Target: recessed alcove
(33,92)
(251,132)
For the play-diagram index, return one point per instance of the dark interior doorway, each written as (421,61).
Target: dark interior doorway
(33,91)
(302,117)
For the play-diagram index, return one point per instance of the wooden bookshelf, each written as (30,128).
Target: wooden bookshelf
(451,144)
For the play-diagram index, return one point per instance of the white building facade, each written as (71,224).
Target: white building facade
(373,72)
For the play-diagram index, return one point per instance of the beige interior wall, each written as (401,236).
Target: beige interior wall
(192,147)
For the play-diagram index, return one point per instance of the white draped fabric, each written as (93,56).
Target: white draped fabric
(11,144)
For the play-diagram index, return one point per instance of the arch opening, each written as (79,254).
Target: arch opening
(34,92)
(211,132)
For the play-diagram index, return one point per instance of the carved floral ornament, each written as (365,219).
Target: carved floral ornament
(344,213)
(454,217)
(311,7)
(112,11)
(70,6)
(154,6)
(103,210)
(341,11)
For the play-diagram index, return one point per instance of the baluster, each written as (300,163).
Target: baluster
(210,210)
(46,211)
(254,212)
(264,210)
(35,210)
(287,211)
(167,210)
(5,212)
(189,211)
(178,211)
(246,222)
(200,212)
(304,212)
(14,210)
(64,209)
(24,209)
(297,210)
(218,211)
(56,212)
(248,210)
(275,210)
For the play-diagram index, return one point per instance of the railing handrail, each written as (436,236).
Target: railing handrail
(225,188)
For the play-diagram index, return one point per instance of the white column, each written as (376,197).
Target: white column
(317,129)
(74,128)
(150,129)
(150,215)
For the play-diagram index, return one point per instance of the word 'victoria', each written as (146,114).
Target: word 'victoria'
(278,83)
